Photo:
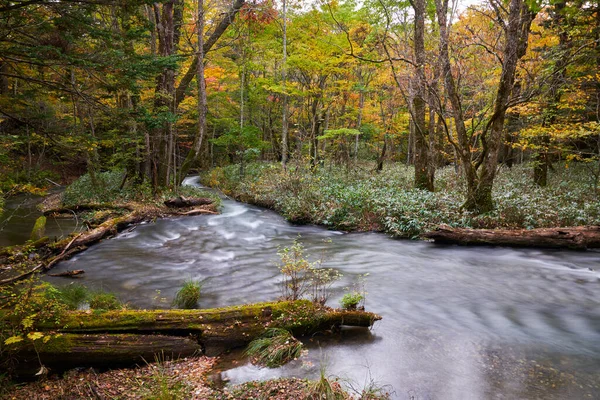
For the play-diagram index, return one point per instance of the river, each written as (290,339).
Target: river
(458,322)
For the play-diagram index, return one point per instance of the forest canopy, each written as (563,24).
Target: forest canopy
(91,86)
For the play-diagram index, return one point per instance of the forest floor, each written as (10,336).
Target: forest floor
(189,378)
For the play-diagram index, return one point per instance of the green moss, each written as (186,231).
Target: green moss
(38,230)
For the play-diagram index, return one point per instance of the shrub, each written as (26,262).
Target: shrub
(274,348)
(300,276)
(351,300)
(188,296)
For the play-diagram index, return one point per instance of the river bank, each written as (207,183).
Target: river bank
(98,212)
(361,200)
(191,378)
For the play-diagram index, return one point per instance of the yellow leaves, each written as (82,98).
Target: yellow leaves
(35,335)
(13,339)
(27,322)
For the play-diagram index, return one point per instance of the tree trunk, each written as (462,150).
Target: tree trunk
(542,157)
(284,118)
(168,24)
(516,36)
(578,238)
(192,155)
(423,177)
(67,351)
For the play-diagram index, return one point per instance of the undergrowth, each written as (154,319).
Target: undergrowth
(364,200)
(108,187)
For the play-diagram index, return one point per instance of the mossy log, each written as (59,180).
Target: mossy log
(66,351)
(577,238)
(214,330)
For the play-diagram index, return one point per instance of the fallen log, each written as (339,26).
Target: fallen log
(576,238)
(198,211)
(68,273)
(86,207)
(66,351)
(112,335)
(181,201)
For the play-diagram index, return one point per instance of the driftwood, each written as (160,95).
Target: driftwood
(181,201)
(124,337)
(198,211)
(68,273)
(577,238)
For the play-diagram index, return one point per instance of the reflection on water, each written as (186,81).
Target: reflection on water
(458,322)
(18,218)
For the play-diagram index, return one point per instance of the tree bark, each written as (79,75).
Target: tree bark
(66,351)
(423,175)
(578,238)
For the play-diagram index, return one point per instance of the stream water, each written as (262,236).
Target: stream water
(458,322)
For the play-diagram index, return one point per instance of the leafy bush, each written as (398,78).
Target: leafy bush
(188,296)
(274,348)
(351,300)
(300,276)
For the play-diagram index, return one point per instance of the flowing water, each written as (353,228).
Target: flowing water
(458,322)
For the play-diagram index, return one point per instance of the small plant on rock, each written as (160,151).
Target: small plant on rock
(188,296)
(350,301)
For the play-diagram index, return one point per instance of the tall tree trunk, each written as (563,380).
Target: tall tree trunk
(192,155)
(168,24)
(192,72)
(517,33)
(542,158)
(423,177)
(284,118)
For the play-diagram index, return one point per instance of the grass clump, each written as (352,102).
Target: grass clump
(274,349)
(326,388)
(74,295)
(104,301)
(188,296)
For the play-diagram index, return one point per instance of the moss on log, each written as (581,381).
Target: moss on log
(109,334)
(577,238)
